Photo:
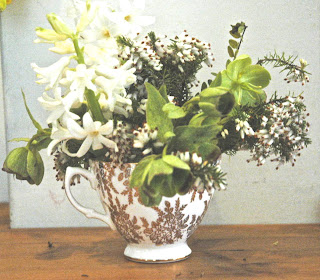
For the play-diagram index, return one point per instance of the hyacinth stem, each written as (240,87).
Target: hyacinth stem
(78,51)
(93,103)
(94,106)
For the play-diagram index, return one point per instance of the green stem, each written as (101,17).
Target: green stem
(94,106)
(78,51)
(241,40)
(34,137)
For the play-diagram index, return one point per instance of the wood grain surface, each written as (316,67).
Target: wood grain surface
(219,252)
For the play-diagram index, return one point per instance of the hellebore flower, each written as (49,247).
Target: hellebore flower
(26,164)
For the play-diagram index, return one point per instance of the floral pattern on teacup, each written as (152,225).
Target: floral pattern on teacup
(172,221)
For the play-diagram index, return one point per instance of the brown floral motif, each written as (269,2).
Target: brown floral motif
(194,192)
(104,175)
(195,221)
(169,226)
(130,193)
(128,228)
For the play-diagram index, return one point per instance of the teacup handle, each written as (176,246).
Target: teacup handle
(89,213)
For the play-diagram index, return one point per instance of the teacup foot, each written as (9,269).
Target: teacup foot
(168,253)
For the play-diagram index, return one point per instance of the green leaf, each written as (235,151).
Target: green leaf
(35,123)
(140,172)
(181,181)
(19,140)
(156,117)
(216,101)
(213,92)
(228,62)
(145,198)
(159,167)
(166,186)
(235,35)
(192,138)
(233,43)
(210,148)
(163,92)
(230,51)
(42,144)
(202,119)
(168,135)
(94,106)
(173,111)
(209,109)
(152,190)
(35,166)
(175,162)
(217,81)
(226,103)
(241,29)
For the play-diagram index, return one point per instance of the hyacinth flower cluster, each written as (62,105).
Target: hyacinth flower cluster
(120,95)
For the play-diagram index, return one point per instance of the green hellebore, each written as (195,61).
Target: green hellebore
(26,164)
(245,81)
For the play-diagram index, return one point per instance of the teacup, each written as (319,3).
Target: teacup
(153,234)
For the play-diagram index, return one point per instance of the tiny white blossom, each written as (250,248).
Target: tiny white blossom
(146,136)
(224,133)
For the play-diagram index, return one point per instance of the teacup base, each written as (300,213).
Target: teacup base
(145,253)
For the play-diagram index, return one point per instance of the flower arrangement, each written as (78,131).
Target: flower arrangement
(121,96)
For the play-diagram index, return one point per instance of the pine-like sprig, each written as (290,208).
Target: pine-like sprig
(288,63)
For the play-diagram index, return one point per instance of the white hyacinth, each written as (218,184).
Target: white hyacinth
(79,80)
(52,74)
(129,19)
(92,133)
(59,106)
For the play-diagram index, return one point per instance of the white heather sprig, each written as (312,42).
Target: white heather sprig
(146,138)
(141,52)
(206,175)
(123,138)
(243,127)
(299,76)
(286,124)
(188,48)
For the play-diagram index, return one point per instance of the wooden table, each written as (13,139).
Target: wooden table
(219,252)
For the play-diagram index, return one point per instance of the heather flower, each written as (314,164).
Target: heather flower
(146,138)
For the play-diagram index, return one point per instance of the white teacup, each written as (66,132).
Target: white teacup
(154,234)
